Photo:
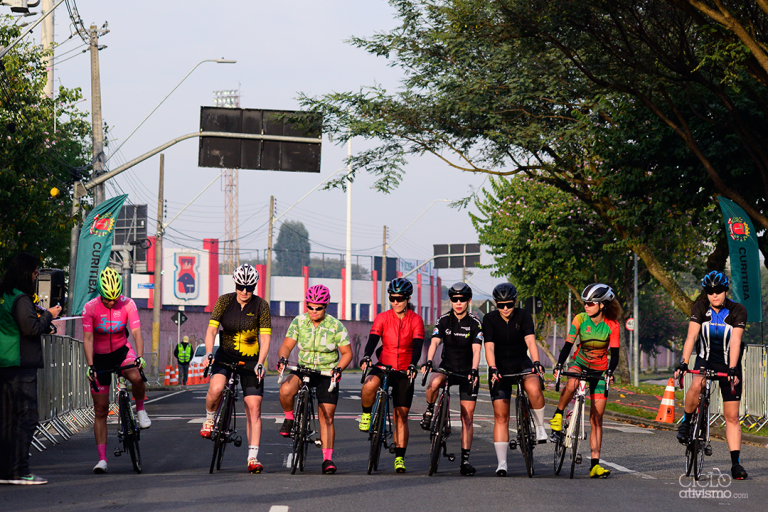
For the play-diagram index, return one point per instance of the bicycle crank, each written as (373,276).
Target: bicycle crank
(238,441)
(578,458)
(512,444)
(708,450)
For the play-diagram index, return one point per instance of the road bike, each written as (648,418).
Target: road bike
(128,430)
(573,428)
(380,431)
(526,428)
(698,444)
(224,429)
(304,425)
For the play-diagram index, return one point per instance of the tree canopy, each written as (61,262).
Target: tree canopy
(291,249)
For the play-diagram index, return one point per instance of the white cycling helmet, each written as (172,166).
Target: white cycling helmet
(245,275)
(598,292)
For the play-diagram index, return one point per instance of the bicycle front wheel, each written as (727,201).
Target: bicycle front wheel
(438,431)
(217,434)
(308,418)
(224,426)
(559,451)
(130,432)
(524,433)
(576,436)
(298,431)
(699,439)
(375,435)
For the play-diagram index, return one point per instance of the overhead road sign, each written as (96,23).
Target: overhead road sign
(456,255)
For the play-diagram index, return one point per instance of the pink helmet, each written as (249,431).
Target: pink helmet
(318,294)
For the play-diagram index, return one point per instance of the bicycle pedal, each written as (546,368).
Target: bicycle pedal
(118,452)
(513,445)
(238,441)
(578,458)
(451,457)
(318,443)
(392,449)
(708,451)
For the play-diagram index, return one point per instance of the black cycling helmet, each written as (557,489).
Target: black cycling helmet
(505,292)
(598,292)
(460,290)
(714,279)
(400,286)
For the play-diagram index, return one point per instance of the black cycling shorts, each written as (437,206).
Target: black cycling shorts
(725,385)
(466,390)
(321,383)
(116,359)
(402,387)
(248,380)
(503,389)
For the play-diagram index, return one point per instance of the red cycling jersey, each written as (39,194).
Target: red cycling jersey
(108,325)
(397,337)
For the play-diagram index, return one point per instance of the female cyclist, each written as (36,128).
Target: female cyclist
(323,346)
(462,337)
(509,337)
(246,329)
(401,332)
(717,324)
(598,330)
(106,319)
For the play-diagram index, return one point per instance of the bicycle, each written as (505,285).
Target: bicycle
(574,426)
(698,444)
(380,432)
(304,426)
(224,429)
(440,429)
(526,429)
(128,431)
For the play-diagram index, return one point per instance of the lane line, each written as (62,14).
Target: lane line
(627,470)
(278,508)
(166,396)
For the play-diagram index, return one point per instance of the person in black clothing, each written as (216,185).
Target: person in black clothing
(21,354)
(509,337)
(462,337)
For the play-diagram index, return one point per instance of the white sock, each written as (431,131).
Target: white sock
(253,452)
(538,417)
(210,415)
(501,451)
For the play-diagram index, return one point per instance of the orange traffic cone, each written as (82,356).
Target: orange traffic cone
(667,408)
(167,380)
(174,377)
(193,375)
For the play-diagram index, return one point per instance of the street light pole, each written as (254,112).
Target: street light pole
(348,280)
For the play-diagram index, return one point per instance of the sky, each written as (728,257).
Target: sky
(282,49)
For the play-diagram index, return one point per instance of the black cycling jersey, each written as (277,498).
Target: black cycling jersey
(241,326)
(458,337)
(717,329)
(508,338)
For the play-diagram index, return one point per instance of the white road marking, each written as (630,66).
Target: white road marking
(287,462)
(279,508)
(279,420)
(166,396)
(629,430)
(352,397)
(627,470)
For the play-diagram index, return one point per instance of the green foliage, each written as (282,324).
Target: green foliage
(34,158)
(291,249)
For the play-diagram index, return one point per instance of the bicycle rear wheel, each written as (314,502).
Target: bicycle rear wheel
(438,430)
(576,433)
(376,434)
(130,432)
(298,431)
(524,433)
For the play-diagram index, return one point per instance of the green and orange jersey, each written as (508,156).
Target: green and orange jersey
(595,341)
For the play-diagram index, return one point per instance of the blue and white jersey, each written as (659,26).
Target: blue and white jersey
(717,328)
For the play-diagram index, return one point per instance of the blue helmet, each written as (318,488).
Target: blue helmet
(714,279)
(400,286)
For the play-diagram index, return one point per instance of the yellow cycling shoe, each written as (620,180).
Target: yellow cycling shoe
(365,422)
(556,423)
(599,472)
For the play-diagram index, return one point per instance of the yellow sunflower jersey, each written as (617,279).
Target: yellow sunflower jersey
(241,326)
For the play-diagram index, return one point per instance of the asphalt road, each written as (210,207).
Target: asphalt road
(646,470)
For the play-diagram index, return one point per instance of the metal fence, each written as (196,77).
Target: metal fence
(63,393)
(753,409)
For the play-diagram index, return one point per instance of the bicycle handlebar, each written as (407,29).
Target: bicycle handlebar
(709,374)
(588,375)
(307,370)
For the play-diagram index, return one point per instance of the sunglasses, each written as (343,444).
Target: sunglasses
(591,304)
(393,298)
(248,288)
(717,289)
(459,299)
(505,305)
(318,308)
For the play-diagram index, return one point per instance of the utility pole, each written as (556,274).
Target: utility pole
(47,40)
(636,347)
(384,271)
(157,298)
(348,281)
(96,120)
(268,277)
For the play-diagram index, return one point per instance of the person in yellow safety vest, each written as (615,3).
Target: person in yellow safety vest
(183,354)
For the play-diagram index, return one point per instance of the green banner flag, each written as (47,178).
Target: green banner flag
(94,249)
(745,259)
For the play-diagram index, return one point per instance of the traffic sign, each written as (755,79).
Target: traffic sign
(179,318)
(630,325)
(486,307)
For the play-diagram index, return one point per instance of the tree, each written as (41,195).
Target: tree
(291,249)
(35,158)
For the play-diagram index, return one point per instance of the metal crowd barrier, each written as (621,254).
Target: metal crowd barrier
(753,409)
(63,392)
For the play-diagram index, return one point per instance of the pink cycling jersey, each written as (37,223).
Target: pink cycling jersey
(108,325)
